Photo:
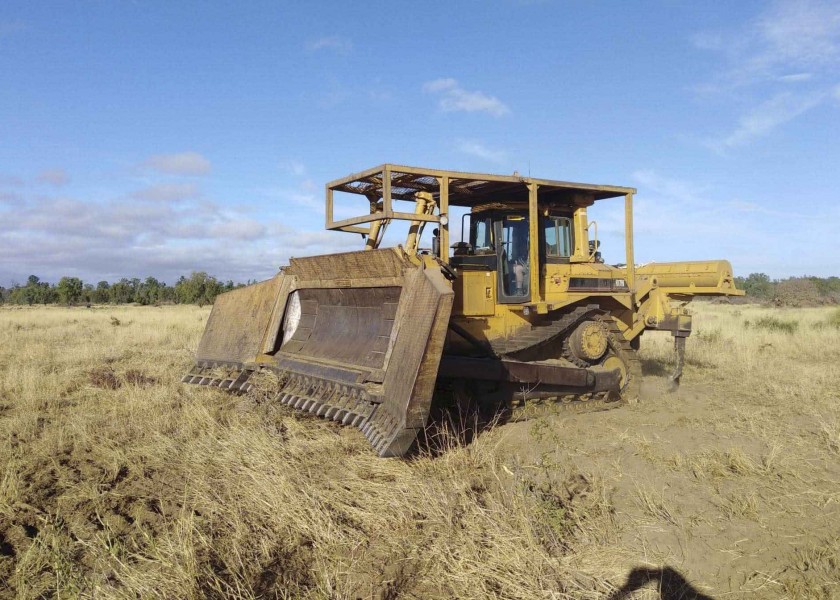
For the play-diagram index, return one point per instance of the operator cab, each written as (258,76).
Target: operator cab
(500,241)
(522,230)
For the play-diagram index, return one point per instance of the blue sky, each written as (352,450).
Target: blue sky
(156,138)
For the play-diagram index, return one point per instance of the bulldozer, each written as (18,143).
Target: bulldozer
(522,308)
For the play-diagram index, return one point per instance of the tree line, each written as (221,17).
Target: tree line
(198,288)
(201,288)
(792,291)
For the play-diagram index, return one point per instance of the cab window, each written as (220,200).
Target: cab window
(481,239)
(558,237)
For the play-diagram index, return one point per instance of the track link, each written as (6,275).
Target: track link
(624,350)
(569,403)
(344,403)
(528,346)
(541,333)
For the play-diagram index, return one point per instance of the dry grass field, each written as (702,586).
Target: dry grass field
(117,481)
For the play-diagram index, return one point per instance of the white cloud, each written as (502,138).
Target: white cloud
(802,36)
(50,235)
(165,230)
(56,177)
(481,151)
(331,42)
(167,192)
(793,43)
(796,77)
(709,40)
(184,163)
(684,192)
(241,229)
(307,200)
(303,194)
(452,98)
(293,167)
(805,32)
(767,116)
(678,220)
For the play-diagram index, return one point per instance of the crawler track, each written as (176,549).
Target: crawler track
(358,405)
(545,338)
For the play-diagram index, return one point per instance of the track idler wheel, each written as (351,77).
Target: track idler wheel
(622,356)
(589,341)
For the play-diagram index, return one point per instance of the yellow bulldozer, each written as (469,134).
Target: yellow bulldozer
(522,308)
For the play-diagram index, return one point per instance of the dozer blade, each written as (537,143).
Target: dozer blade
(355,337)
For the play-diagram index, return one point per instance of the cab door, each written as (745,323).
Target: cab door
(512,249)
(475,286)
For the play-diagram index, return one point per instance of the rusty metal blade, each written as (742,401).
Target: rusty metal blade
(365,348)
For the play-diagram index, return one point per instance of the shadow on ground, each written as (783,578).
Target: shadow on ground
(656,368)
(670,584)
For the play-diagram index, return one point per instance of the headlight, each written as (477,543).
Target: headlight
(291,319)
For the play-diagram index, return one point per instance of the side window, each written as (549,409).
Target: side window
(552,238)
(482,242)
(558,237)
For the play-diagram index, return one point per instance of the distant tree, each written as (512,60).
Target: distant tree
(199,288)
(34,292)
(152,291)
(147,291)
(69,290)
(168,294)
(122,292)
(757,285)
(828,287)
(101,294)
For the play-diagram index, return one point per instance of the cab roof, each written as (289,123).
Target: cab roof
(468,189)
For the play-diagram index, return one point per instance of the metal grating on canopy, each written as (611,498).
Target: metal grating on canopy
(385,183)
(465,189)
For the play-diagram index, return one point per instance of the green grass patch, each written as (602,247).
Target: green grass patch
(773,324)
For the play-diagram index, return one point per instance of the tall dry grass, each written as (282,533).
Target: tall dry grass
(117,481)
